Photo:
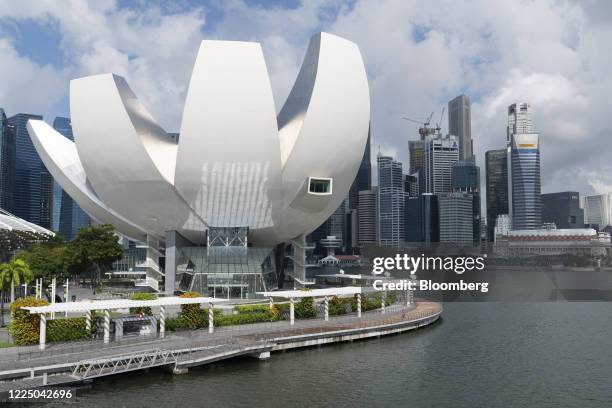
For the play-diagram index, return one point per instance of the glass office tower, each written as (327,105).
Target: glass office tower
(33,184)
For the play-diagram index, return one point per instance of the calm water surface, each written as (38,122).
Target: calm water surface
(479,355)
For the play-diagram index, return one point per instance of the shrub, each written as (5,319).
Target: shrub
(193,316)
(370,303)
(142,296)
(245,309)
(339,306)
(391,298)
(244,318)
(25,327)
(67,329)
(305,309)
(175,323)
(282,307)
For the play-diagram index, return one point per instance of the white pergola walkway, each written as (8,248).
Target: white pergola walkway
(320,293)
(314,293)
(107,305)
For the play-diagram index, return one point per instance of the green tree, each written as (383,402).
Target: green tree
(46,260)
(15,272)
(93,250)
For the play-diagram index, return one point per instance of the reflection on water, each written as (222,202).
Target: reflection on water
(480,354)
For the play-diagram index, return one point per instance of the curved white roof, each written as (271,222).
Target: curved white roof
(236,163)
(113,304)
(12,223)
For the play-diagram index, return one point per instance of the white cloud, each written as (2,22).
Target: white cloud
(551,53)
(27,86)
(152,50)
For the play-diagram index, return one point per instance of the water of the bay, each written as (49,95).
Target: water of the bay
(479,355)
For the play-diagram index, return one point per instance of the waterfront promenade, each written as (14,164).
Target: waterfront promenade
(84,361)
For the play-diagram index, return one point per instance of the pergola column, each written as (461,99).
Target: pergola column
(106,326)
(53,289)
(271,303)
(383,299)
(326,308)
(43,332)
(162,321)
(211,318)
(291,311)
(359,305)
(408,297)
(88,320)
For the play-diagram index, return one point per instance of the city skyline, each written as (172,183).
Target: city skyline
(45,45)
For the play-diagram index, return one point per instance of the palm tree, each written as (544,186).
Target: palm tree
(15,272)
(4,284)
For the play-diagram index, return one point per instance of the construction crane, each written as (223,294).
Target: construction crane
(439,123)
(424,130)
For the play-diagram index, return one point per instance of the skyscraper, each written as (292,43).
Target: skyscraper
(363,180)
(33,183)
(413,219)
(390,201)
(597,209)
(524,192)
(459,124)
(519,120)
(416,151)
(456,218)
(466,179)
(563,209)
(440,154)
(496,163)
(68,217)
(421,219)
(367,216)
(7,163)
(411,185)
(431,218)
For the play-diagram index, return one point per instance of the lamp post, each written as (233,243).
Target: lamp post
(66,294)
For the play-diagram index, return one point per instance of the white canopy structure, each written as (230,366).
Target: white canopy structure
(113,304)
(9,222)
(288,294)
(314,293)
(107,305)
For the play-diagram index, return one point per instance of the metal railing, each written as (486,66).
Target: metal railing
(226,336)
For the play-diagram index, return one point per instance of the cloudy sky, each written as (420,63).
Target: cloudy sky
(555,55)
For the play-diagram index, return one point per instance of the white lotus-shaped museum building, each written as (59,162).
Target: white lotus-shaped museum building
(220,199)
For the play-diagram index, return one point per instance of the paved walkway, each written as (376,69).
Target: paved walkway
(199,344)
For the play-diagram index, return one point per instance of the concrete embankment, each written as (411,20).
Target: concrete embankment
(179,351)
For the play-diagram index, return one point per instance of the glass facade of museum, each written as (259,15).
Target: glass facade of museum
(226,271)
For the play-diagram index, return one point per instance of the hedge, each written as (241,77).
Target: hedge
(246,315)
(305,309)
(142,296)
(252,308)
(339,306)
(247,318)
(67,329)
(25,327)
